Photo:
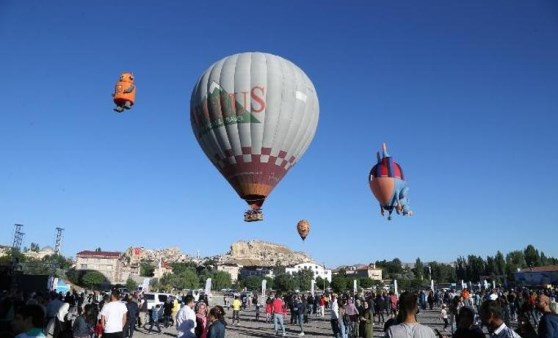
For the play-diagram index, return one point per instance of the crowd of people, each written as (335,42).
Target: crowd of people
(503,313)
(110,315)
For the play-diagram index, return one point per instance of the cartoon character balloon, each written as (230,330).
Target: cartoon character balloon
(254,115)
(303,228)
(388,185)
(124,92)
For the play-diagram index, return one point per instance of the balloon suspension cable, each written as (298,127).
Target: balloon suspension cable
(378,157)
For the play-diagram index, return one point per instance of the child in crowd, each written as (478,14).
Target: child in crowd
(444,316)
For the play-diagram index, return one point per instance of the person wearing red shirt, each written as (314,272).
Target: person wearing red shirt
(277,308)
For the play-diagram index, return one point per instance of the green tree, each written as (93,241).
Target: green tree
(252,282)
(34,247)
(304,279)
(500,263)
(190,280)
(131,285)
(514,260)
(93,279)
(98,249)
(73,276)
(339,283)
(269,283)
(365,282)
(178,268)
(491,268)
(322,283)
(285,282)
(147,269)
(532,257)
(419,269)
(220,280)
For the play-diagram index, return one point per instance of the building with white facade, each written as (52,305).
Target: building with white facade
(319,270)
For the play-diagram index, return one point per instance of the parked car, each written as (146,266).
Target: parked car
(154,298)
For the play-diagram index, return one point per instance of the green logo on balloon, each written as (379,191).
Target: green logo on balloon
(220,108)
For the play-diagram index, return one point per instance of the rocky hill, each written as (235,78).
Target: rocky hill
(260,253)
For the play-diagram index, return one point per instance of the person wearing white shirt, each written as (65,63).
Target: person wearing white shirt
(186,319)
(334,316)
(113,316)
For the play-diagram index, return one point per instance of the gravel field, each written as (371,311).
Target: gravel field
(317,327)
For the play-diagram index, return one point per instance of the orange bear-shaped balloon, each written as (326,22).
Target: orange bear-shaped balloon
(124,92)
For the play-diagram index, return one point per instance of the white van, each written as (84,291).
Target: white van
(154,298)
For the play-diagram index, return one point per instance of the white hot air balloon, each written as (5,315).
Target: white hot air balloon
(254,115)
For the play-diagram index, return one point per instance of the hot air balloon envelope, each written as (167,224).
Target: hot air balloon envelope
(124,92)
(254,115)
(303,228)
(387,183)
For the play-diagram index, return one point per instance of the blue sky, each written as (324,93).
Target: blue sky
(463,93)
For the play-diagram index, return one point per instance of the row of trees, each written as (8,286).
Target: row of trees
(192,276)
(49,264)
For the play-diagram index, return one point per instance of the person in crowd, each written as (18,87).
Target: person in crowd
(278,312)
(155,313)
(81,328)
(62,327)
(201,320)
(132,316)
(524,327)
(465,324)
(113,316)
(379,308)
(322,303)
(186,319)
(491,315)
(167,311)
(268,310)
(301,309)
(216,327)
(343,320)
(444,316)
(430,300)
(258,309)
(28,321)
(352,312)
(53,306)
(548,323)
(393,301)
(409,327)
(366,318)
(335,319)
(236,304)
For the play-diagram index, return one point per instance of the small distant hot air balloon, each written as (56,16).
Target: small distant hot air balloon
(254,115)
(303,228)
(388,185)
(124,92)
